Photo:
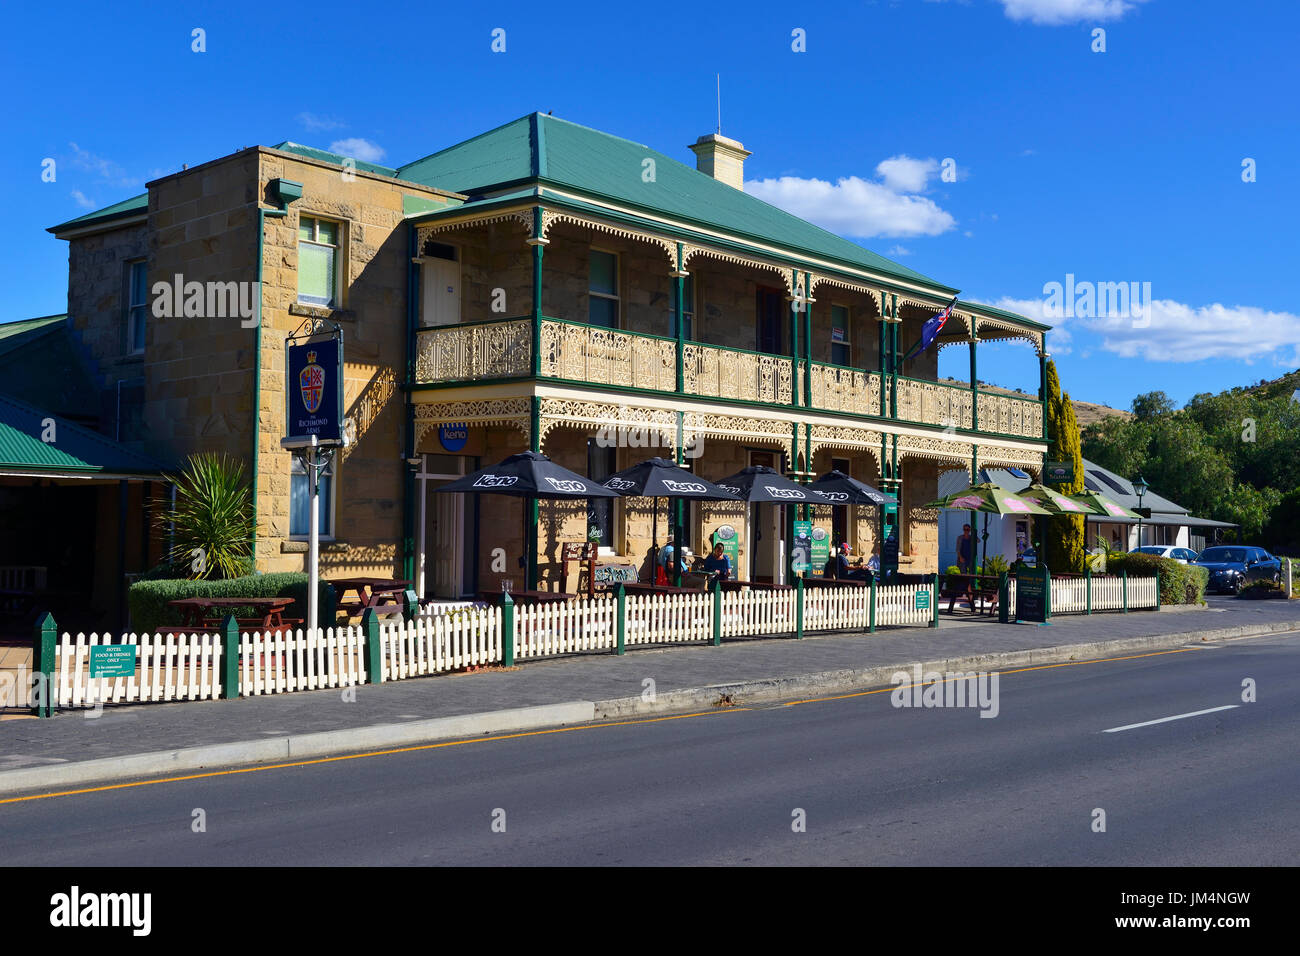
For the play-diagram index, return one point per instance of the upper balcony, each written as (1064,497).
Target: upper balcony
(608,311)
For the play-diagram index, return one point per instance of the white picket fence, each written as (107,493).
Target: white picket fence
(182,667)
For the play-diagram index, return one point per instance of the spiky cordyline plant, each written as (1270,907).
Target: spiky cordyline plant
(212,518)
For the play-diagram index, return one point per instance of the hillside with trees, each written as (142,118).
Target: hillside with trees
(1231,456)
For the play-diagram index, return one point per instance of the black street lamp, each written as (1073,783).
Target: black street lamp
(1140,487)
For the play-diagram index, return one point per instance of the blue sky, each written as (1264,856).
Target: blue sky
(1115,166)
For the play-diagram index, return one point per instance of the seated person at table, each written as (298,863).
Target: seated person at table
(842,568)
(718,563)
(664,571)
(873,562)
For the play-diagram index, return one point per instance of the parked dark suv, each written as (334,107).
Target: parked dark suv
(1232,567)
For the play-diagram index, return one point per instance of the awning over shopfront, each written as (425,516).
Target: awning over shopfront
(37,444)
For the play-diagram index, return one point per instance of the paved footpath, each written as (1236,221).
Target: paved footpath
(619,681)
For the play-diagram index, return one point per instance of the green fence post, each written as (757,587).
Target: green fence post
(43,640)
(1047,584)
(410,605)
(1004,597)
(717,613)
(620,634)
(1087,585)
(374,652)
(507,630)
(1124,577)
(798,608)
(934,602)
(871,616)
(1157,589)
(229,658)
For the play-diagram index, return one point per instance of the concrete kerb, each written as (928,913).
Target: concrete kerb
(414,733)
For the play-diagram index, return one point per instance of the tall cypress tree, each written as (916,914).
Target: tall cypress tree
(1070,530)
(1047,532)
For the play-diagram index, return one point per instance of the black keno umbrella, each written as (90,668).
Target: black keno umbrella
(663,478)
(842,489)
(531,475)
(760,483)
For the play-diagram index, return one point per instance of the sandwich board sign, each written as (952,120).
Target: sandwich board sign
(1034,595)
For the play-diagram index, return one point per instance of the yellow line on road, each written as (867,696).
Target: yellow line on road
(1018,670)
(372,753)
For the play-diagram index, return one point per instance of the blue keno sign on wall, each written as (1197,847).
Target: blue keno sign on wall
(453,437)
(315,390)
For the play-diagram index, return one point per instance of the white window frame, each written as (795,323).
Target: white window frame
(617,297)
(296,469)
(340,263)
(848,335)
(133,307)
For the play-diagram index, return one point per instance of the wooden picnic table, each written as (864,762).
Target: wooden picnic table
(382,592)
(203,613)
(974,588)
(527,597)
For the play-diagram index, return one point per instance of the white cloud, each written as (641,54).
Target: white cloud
(1057,12)
(83,200)
(898,251)
(903,174)
(1176,332)
(852,206)
(315,122)
(105,169)
(358,148)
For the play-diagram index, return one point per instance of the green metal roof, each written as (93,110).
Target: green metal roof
(77,451)
(337,158)
(127,207)
(551,151)
(17,334)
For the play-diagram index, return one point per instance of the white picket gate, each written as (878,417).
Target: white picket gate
(567,627)
(757,612)
(668,618)
(836,608)
(896,604)
(437,643)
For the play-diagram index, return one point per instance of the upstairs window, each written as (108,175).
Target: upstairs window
(603,289)
(318,262)
(841,347)
(137,307)
(688,308)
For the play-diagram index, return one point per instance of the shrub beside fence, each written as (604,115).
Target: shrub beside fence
(148,599)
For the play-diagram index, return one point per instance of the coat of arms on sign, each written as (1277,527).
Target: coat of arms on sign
(311,382)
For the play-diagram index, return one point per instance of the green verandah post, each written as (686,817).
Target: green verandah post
(374,650)
(229,658)
(620,633)
(717,613)
(1004,597)
(798,608)
(871,611)
(43,640)
(1124,577)
(507,630)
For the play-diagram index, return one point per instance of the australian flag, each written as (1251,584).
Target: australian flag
(930,331)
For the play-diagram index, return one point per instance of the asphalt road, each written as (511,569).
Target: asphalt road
(877,785)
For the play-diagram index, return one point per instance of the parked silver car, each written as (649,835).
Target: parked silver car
(1181,555)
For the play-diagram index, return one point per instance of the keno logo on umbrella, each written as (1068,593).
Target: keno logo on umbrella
(565,484)
(784,492)
(684,487)
(495,481)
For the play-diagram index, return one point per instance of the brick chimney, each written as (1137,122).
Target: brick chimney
(721,158)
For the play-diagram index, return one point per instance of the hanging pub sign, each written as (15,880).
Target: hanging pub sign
(1058,472)
(314,390)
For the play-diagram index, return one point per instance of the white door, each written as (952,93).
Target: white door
(440,287)
(447,535)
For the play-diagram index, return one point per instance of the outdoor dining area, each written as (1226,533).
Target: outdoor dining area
(675,569)
(979,592)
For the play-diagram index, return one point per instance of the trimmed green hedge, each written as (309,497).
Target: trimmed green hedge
(1179,583)
(148,599)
